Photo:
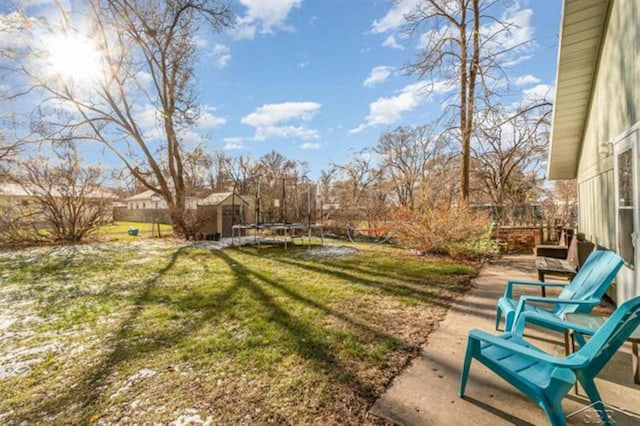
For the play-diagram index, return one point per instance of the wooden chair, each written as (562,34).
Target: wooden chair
(558,251)
(564,268)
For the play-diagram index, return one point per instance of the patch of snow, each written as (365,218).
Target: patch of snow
(224,243)
(329,251)
(191,417)
(19,362)
(6,322)
(145,373)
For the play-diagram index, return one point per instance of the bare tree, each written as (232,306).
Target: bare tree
(146,52)
(406,154)
(509,152)
(461,48)
(561,203)
(62,203)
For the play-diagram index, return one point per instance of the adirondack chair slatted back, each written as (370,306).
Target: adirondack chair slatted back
(608,339)
(591,281)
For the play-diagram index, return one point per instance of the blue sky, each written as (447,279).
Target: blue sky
(292,75)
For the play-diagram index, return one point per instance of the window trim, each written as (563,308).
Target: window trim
(627,141)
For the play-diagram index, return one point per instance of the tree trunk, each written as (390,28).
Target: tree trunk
(464,135)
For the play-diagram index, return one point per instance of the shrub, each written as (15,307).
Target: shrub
(62,203)
(481,248)
(444,229)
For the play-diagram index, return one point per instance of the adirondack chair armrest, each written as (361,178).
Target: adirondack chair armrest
(508,291)
(526,299)
(540,320)
(483,336)
(520,309)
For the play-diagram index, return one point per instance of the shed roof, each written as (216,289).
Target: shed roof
(219,198)
(581,33)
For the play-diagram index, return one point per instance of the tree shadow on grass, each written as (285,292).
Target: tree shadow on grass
(398,289)
(88,396)
(88,391)
(302,333)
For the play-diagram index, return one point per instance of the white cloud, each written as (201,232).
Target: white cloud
(234,143)
(149,120)
(233,147)
(207,120)
(526,79)
(286,132)
(303,64)
(144,78)
(388,110)
(221,55)
(200,42)
(394,18)
(511,36)
(539,92)
(431,37)
(377,76)
(310,146)
(15,30)
(392,43)
(272,114)
(283,120)
(516,60)
(262,17)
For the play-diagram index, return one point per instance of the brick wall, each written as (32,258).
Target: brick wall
(519,239)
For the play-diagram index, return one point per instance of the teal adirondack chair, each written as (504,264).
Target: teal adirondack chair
(581,295)
(547,379)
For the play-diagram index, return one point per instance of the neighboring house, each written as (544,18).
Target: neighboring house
(12,194)
(153,201)
(146,200)
(596,120)
(220,211)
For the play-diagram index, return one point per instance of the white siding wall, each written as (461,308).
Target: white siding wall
(615,107)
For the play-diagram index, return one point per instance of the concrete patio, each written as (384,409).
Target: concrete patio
(426,392)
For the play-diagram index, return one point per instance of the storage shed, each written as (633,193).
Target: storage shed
(220,211)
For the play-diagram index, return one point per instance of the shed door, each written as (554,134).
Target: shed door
(627,202)
(230,217)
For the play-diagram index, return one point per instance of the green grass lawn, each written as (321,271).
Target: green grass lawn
(155,331)
(117,231)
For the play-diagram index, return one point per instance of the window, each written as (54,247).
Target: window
(156,205)
(626,197)
(143,206)
(625,206)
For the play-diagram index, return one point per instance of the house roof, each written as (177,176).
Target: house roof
(146,195)
(581,33)
(218,198)
(16,190)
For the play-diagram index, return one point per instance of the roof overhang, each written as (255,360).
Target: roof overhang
(581,34)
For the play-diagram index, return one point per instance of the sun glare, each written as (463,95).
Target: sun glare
(75,58)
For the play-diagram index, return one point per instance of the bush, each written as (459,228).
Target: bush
(62,202)
(445,229)
(475,249)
